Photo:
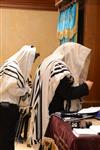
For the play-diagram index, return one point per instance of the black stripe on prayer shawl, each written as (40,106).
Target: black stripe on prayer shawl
(58,71)
(36,103)
(37,86)
(18,77)
(39,115)
(38,74)
(35,89)
(37,94)
(14,74)
(58,68)
(59,64)
(39,118)
(17,71)
(12,67)
(11,76)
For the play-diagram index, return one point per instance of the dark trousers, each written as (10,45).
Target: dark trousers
(9,114)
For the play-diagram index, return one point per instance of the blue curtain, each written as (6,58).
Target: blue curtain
(68,24)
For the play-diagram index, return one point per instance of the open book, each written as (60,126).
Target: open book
(89,110)
(93,130)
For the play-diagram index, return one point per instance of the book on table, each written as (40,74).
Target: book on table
(93,130)
(90,110)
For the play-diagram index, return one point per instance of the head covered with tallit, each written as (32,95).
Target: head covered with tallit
(74,56)
(20,64)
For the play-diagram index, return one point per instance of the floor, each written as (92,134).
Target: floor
(19,146)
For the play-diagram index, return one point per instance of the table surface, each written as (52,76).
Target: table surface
(94,121)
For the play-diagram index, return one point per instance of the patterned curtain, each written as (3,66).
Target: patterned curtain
(68,24)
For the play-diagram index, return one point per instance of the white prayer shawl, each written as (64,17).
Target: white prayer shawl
(76,59)
(15,71)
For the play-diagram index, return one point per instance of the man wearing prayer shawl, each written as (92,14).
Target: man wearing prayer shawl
(13,84)
(60,77)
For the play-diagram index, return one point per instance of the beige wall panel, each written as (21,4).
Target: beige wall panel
(20,27)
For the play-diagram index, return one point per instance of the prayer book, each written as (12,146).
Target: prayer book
(80,132)
(89,110)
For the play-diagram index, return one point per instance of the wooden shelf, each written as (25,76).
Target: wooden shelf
(63,4)
(59,3)
(29,4)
